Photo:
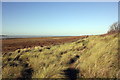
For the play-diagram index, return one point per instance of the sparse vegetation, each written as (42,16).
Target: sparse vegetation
(93,57)
(115,27)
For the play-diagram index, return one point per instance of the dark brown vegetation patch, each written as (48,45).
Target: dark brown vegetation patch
(14,44)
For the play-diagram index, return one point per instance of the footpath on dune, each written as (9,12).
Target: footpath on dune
(90,57)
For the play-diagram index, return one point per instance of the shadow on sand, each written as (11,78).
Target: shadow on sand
(71,73)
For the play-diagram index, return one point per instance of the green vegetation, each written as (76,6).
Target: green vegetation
(97,57)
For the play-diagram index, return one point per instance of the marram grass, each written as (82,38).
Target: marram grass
(97,57)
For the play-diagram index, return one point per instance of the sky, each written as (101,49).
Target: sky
(58,18)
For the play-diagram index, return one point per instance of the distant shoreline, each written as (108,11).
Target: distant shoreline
(17,37)
(12,44)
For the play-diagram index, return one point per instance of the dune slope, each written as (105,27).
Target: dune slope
(91,57)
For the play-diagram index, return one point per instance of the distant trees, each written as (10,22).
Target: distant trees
(115,27)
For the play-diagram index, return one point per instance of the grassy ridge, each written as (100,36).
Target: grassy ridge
(93,57)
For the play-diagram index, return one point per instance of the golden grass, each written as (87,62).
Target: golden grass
(98,59)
